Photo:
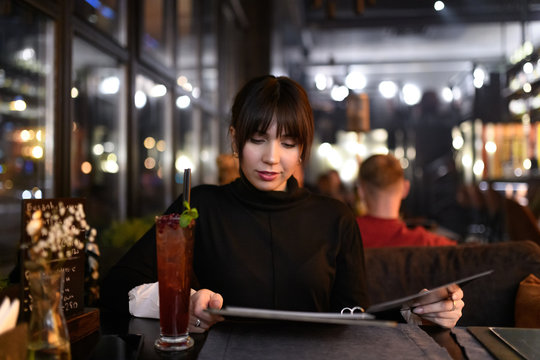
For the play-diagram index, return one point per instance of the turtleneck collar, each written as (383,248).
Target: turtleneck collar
(268,200)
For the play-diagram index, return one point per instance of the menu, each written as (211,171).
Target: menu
(303,316)
(348,317)
(73,267)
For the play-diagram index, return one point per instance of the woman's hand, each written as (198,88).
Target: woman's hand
(445,313)
(200,320)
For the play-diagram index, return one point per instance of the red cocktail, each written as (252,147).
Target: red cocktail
(174,246)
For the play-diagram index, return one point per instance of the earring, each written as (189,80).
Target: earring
(235,154)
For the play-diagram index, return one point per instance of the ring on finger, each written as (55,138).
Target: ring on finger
(198,323)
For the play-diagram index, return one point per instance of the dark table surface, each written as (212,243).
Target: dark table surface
(119,337)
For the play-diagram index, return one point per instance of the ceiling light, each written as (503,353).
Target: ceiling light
(17,105)
(98,149)
(158,90)
(528,68)
(388,89)
(438,6)
(479,73)
(183,162)
(355,80)
(490,147)
(478,167)
(457,142)
(182,102)
(339,93)
(479,76)
(109,85)
(140,99)
(321,82)
(411,94)
(182,80)
(447,94)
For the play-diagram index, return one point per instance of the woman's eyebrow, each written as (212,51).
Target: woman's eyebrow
(288,136)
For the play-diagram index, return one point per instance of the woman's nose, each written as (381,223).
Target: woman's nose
(271,153)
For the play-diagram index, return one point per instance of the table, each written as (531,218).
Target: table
(263,340)
(319,341)
(518,343)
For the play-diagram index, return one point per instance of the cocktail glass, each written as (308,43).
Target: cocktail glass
(174,246)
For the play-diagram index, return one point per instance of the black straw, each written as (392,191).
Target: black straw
(187,185)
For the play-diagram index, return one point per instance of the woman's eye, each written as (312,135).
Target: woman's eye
(289,145)
(256,140)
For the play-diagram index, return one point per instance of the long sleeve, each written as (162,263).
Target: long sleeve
(350,289)
(278,250)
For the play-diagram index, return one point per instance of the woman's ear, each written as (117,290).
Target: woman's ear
(233,140)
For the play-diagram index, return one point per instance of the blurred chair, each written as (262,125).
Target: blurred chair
(520,222)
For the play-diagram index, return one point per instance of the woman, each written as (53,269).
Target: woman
(262,241)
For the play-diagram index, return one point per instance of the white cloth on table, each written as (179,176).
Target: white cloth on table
(144,301)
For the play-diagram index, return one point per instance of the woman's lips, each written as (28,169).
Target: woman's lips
(267,175)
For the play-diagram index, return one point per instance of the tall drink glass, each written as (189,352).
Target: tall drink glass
(174,246)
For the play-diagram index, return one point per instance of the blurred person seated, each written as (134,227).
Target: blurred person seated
(383,187)
(330,184)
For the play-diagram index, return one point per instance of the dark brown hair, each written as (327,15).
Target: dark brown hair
(265,97)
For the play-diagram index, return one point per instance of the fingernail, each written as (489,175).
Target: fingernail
(418,310)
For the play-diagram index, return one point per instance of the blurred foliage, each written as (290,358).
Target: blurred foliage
(3,283)
(126,233)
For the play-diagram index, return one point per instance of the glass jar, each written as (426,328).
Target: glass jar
(48,336)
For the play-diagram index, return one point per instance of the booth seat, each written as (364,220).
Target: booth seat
(489,301)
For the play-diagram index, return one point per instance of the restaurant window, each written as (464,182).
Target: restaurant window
(187,142)
(26,118)
(197,77)
(187,45)
(152,146)
(157,31)
(97,144)
(209,54)
(108,16)
(209,93)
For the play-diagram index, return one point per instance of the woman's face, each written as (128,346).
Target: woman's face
(269,159)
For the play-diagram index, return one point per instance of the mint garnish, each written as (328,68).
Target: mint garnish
(188,215)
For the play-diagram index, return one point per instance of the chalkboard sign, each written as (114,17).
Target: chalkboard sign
(56,212)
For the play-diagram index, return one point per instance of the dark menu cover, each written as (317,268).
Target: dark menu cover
(426,297)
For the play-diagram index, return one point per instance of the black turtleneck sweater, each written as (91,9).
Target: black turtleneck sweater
(290,250)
